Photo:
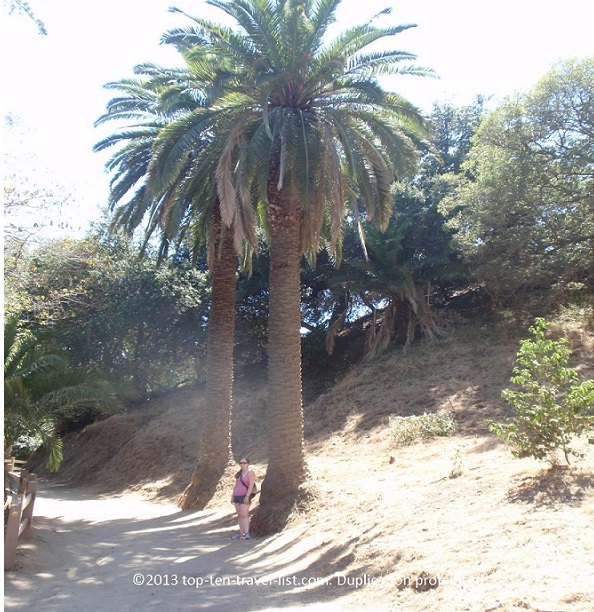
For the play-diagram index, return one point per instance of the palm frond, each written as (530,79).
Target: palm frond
(324,15)
(376,63)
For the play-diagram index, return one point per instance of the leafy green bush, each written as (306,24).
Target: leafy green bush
(552,406)
(428,425)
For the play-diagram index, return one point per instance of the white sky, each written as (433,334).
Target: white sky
(55,82)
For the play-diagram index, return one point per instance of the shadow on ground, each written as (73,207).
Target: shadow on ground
(552,488)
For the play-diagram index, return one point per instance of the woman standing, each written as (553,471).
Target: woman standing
(243,492)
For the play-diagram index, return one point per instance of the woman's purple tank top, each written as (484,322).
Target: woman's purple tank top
(241,487)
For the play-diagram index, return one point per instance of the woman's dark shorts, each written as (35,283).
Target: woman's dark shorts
(238,499)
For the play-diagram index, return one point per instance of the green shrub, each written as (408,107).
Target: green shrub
(552,406)
(428,425)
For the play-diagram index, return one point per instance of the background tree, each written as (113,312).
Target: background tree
(120,315)
(415,255)
(426,240)
(452,130)
(34,204)
(20,7)
(525,220)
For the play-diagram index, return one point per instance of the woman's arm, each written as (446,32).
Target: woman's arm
(252,482)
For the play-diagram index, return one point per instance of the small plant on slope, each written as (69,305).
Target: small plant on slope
(428,425)
(552,405)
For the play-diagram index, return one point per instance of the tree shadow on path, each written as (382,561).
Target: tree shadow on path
(130,554)
(552,488)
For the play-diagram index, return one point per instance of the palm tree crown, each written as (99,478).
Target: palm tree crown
(314,112)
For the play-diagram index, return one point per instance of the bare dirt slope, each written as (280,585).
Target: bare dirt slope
(451,523)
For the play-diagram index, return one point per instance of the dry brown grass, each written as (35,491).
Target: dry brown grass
(492,532)
(453,523)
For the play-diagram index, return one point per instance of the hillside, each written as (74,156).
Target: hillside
(449,523)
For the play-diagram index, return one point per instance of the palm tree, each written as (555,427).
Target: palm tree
(40,389)
(306,128)
(385,284)
(186,211)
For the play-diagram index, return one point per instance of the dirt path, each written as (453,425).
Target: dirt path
(498,534)
(131,554)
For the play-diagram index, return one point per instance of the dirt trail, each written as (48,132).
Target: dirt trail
(131,554)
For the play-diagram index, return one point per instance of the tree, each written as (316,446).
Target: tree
(385,284)
(524,216)
(303,128)
(33,205)
(452,129)
(552,405)
(214,448)
(23,8)
(40,388)
(121,316)
(426,245)
(186,211)
(414,254)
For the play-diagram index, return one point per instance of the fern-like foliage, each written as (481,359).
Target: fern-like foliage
(40,388)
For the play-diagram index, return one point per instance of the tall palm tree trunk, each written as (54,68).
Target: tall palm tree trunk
(214,450)
(286,462)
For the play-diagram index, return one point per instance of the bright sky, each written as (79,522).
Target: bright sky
(54,82)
